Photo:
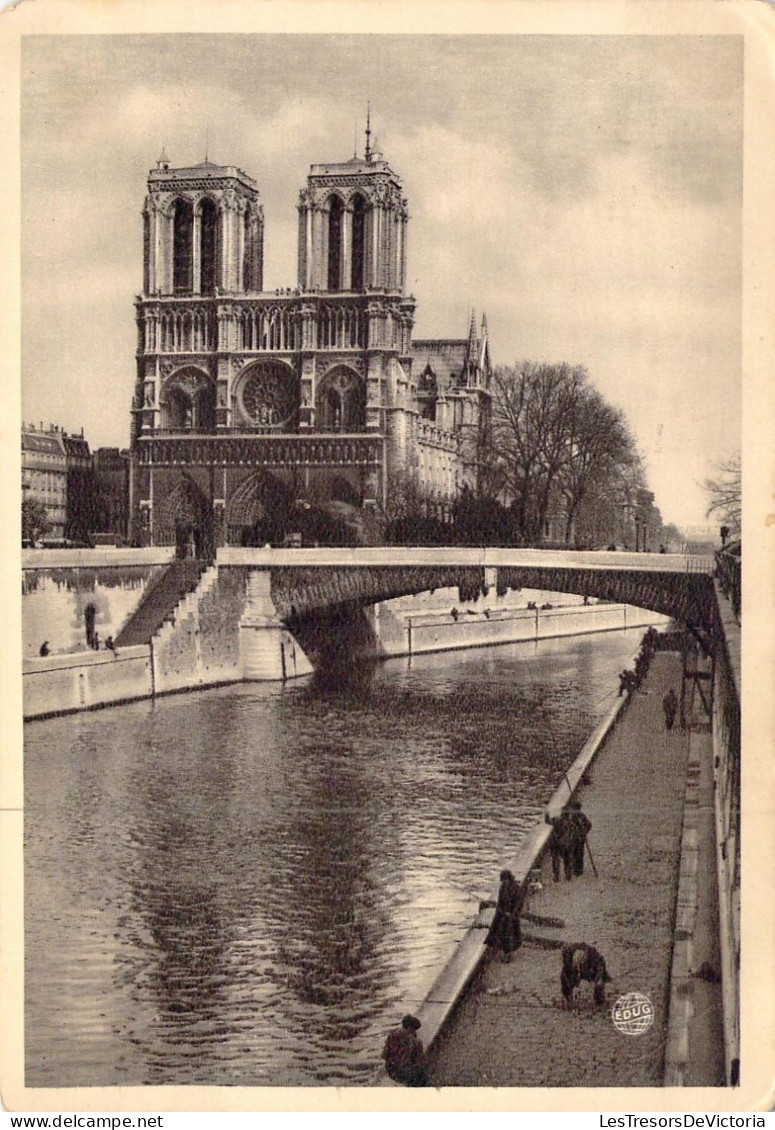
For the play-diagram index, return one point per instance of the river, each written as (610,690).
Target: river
(248,885)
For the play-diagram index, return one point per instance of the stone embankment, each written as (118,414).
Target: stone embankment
(410,633)
(501,1025)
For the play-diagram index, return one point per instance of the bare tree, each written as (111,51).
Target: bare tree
(604,515)
(600,448)
(533,412)
(724,489)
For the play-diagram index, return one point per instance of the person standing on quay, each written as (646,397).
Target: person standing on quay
(561,842)
(670,707)
(404,1055)
(580,828)
(505,931)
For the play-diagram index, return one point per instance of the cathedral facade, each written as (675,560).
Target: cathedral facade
(248,402)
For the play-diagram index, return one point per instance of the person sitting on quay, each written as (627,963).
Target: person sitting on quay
(580,828)
(404,1055)
(110,645)
(44,649)
(670,707)
(505,930)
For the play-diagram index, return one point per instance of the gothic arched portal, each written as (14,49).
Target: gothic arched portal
(183,518)
(258,511)
(342,490)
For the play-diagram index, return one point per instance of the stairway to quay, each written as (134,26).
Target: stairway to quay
(649,905)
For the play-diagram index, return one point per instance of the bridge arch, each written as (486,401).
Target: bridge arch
(304,592)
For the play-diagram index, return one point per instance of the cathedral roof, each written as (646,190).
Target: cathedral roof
(353,165)
(444,356)
(205,170)
(450,362)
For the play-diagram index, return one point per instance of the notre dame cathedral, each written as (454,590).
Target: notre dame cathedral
(247,401)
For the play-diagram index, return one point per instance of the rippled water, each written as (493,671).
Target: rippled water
(247,885)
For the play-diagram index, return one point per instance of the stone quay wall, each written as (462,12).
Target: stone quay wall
(62,684)
(199,647)
(406,634)
(59,585)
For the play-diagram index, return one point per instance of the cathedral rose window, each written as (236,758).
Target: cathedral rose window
(269,397)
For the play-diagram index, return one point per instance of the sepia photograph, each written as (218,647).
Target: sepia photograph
(380,707)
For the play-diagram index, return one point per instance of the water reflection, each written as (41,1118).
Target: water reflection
(243,886)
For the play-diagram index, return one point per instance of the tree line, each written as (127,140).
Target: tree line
(554,462)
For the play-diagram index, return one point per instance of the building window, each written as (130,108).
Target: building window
(248,251)
(359,242)
(146,252)
(210,248)
(183,247)
(335,215)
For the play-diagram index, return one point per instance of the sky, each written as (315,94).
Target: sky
(585,192)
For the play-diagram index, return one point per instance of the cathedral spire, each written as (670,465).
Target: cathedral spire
(368,131)
(472,339)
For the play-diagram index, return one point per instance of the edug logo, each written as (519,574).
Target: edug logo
(633,1014)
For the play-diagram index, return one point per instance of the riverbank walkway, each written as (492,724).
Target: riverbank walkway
(509,1029)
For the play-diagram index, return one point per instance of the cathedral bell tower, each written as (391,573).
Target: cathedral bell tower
(204,231)
(203,246)
(353,220)
(352,227)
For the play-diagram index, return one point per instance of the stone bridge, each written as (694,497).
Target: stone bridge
(306,583)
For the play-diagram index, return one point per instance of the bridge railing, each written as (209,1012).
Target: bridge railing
(729,573)
(703,565)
